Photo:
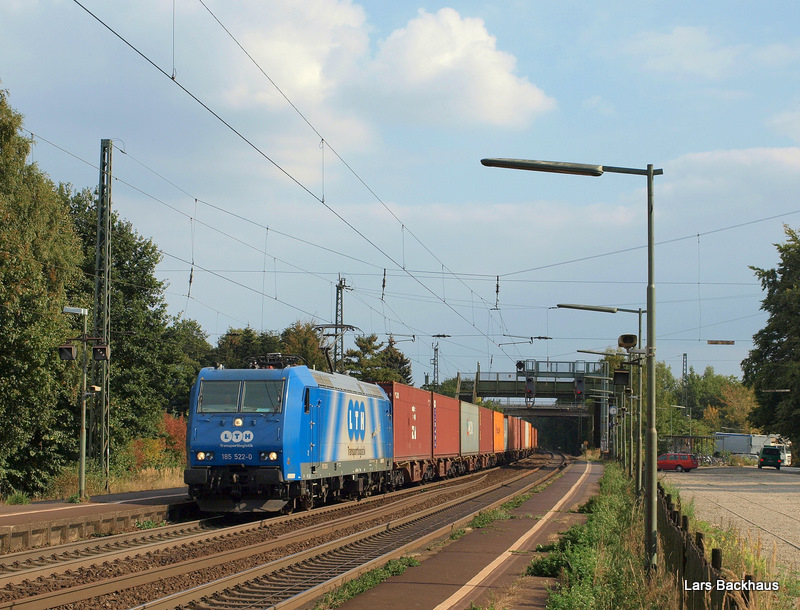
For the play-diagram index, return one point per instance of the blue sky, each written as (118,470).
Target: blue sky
(407,99)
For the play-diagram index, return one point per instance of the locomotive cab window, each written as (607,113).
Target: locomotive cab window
(251,396)
(262,396)
(218,397)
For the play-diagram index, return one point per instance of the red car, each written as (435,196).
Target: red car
(680,462)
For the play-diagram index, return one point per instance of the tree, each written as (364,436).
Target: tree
(154,358)
(301,339)
(238,345)
(394,360)
(738,402)
(39,254)
(189,351)
(774,362)
(370,361)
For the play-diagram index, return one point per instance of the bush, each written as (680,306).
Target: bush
(18,497)
(600,562)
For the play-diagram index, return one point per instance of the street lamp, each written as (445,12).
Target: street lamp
(640,311)
(581,169)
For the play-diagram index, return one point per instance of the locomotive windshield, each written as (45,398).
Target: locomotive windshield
(262,396)
(251,396)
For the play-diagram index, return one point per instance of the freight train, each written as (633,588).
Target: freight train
(283,438)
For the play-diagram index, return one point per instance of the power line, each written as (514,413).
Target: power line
(326,142)
(252,145)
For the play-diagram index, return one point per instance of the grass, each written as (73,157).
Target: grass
(741,555)
(18,497)
(599,562)
(486,518)
(66,485)
(365,582)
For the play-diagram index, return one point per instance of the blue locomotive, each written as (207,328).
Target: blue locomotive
(285,438)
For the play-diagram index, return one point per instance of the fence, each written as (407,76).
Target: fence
(685,557)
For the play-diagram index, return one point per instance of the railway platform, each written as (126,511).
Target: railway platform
(485,568)
(42,524)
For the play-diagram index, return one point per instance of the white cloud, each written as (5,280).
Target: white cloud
(685,51)
(786,123)
(715,189)
(444,67)
(304,48)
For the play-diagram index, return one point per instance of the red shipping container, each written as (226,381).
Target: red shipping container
(499,432)
(446,426)
(412,417)
(486,440)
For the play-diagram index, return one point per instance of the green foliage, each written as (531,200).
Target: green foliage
(38,255)
(238,344)
(18,497)
(600,561)
(187,350)
(446,387)
(300,339)
(487,517)
(364,583)
(774,361)
(370,361)
(149,524)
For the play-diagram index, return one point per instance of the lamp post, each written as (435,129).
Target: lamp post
(581,169)
(82,457)
(640,311)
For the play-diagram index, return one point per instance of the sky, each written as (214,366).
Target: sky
(271,148)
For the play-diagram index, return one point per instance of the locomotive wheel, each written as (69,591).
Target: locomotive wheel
(305,502)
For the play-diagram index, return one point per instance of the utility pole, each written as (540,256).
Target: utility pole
(685,398)
(435,363)
(102,302)
(338,344)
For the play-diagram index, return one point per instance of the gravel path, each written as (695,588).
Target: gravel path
(762,502)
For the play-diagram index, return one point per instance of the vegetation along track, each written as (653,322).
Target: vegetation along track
(153,569)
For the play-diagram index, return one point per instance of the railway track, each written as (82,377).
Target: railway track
(307,550)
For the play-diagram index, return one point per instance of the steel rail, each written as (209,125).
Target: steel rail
(304,576)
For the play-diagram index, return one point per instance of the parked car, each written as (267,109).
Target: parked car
(770,456)
(680,462)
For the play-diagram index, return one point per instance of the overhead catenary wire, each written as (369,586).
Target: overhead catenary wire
(252,145)
(403,226)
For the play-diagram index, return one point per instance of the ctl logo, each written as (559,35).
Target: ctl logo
(237,436)
(356,426)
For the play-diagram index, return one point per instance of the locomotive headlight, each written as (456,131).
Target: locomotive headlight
(205,456)
(271,456)
(201,455)
(238,422)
